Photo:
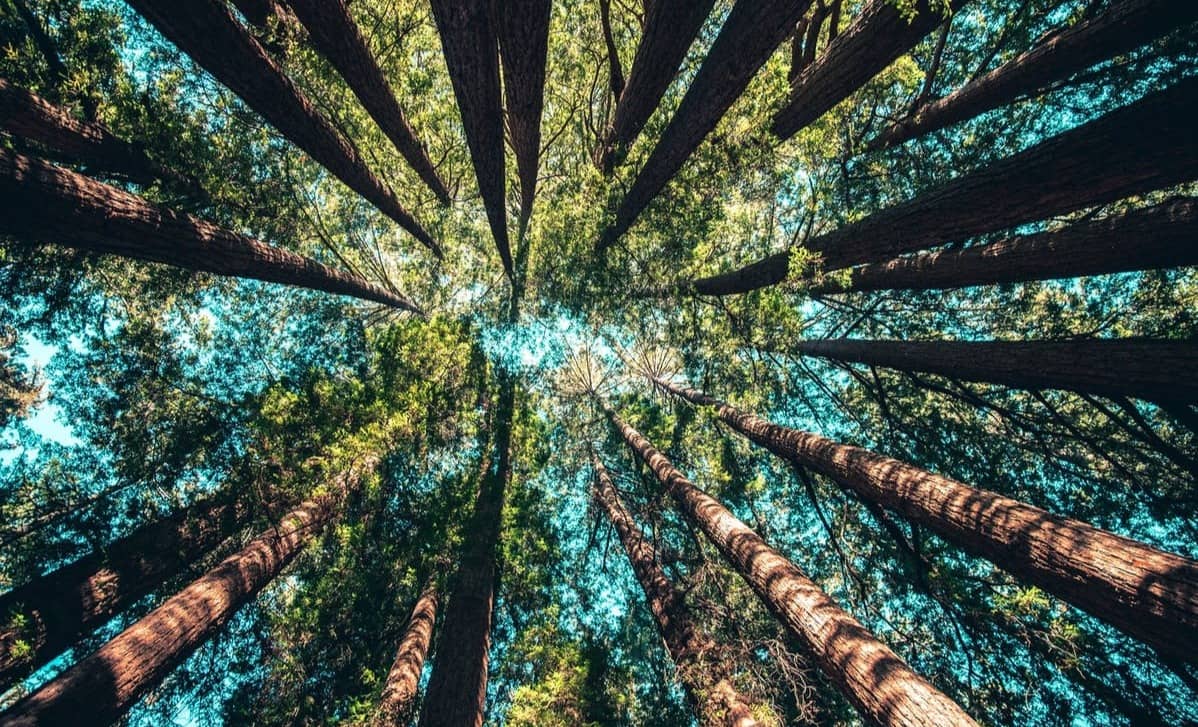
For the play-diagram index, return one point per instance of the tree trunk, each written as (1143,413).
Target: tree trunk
(749,36)
(1159,371)
(1149,594)
(1126,26)
(457,688)
(1145,146)
(877,682)
(49,614)
(670,29)
(472,54)
(261,13)
(398,702)
(701,667)
(873,41)
(54,205)
(207,31)
(523,29)
(1161,236)
(816,23)
(335,35)
(615,74)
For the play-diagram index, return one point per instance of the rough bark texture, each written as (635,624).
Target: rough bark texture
(1150,144)
(207,31)
(41,618)
(877,682)
(523,29)
(1162,236)
(749,36)
(670,28)
(1150,594)
(398,702)
(334,33)
(53,205)
(1161,371)
(106,684)
(872,42)
(1127,25)
(472,54)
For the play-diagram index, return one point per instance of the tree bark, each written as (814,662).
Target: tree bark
(260,13)
(873,678)
(398,702)
(702,669)
(1161,236)
(207,31)
(50,613)
(670,29)
(1126,26)
(523,29)
(1144,146)
(816,23)
(872,42)
(1149,594)
(468,39)
(53,205)
(615,74)
(1158,371)
(749,36)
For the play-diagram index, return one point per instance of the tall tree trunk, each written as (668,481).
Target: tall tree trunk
(816,23)
(702,669)
(335,35)
(615,74)
(749,36)
(878,36)
(261,13)
(670,29)
(207,31)
(523,29)
(1126,26)
(1159,371)
(398,703)
(457,688)
(48,204)
(468,39)
(46,47)
(1149,594)
(877,682)
(1144,146)
(41,618)
(1161,236)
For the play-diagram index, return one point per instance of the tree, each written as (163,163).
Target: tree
(398,702)
(523,30)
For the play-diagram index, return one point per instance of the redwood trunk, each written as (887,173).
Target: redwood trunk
(1126,26)
(56,610)
(398,702)
(1149,594)
(523,29)
(697,657)
(207,31)
(1159,371)
(54,205)
(335,35)
(877,682)
(1161,236)
(670,28)
(749,36)
(468,39)
(872,42)
(1148,145)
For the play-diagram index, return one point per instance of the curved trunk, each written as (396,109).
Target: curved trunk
(877,682)
(1149,594)
(523,29)
(53,205)
(398,702)
(1126,26)
(207,31)
(749,36)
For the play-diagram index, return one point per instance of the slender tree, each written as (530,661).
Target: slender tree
(615,73)
(54,205)
(207,31)
(670,29)
(1125,26)
(523,29)
(1149,594)
(877,682)
(468,39)
(1144,146)
(749,36)
(398,702)
(702,669)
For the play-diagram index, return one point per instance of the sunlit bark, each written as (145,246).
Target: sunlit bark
(398,702)
(523,29)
